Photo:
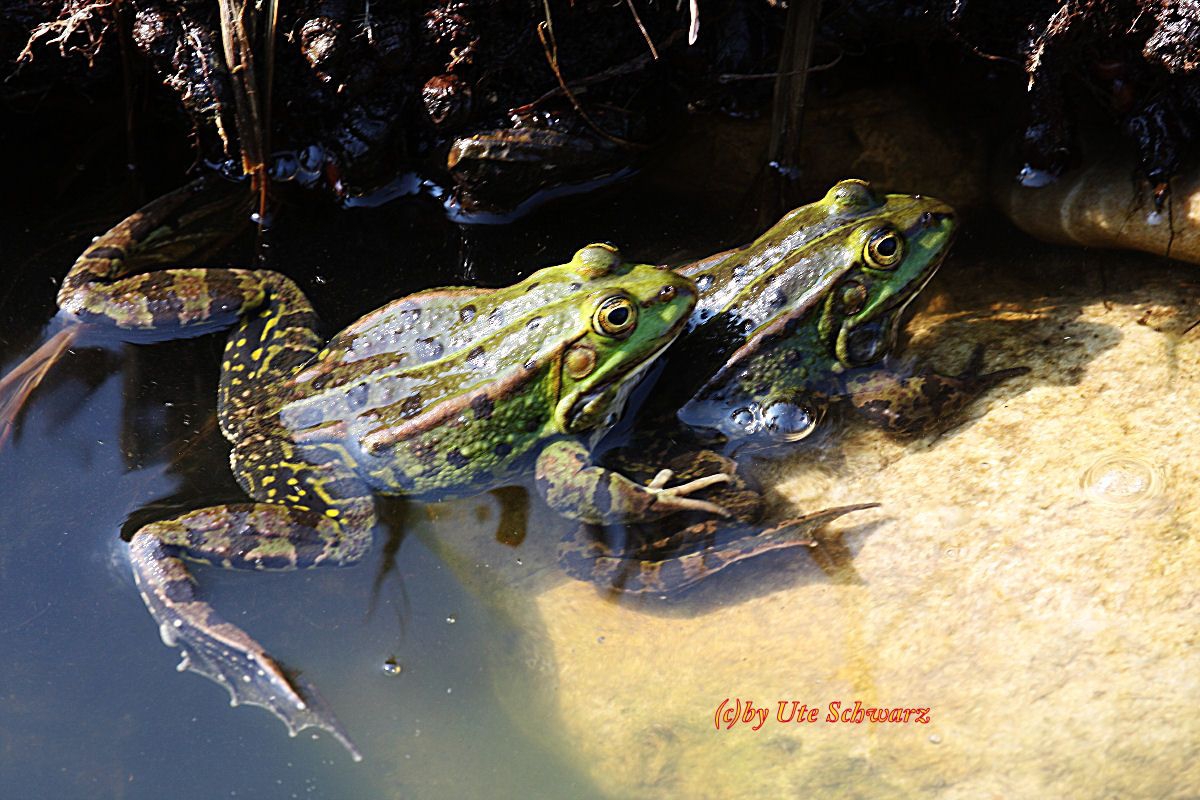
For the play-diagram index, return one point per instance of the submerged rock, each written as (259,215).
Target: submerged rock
(1029,579)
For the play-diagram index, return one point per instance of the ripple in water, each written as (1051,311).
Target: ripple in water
(1123,481)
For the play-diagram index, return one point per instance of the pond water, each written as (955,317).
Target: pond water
(1026,581)
(92,706)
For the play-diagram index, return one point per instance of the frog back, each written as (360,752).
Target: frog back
(451,391)
(439,388)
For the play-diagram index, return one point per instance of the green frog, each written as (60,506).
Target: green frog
(437,395)
(809,314)
(805,316)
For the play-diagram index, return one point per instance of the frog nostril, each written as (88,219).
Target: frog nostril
(666,294)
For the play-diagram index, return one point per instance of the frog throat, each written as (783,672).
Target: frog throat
(586,407)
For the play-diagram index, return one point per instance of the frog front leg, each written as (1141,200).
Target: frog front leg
(575,487)
(917,401)
(327,521)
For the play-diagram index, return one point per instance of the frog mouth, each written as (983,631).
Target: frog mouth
(601,405)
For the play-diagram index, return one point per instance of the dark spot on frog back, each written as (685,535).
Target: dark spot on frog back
(456,459)
(475,358)
(357,396)
(106,251)
(483,406)
(411,406)
(429,348)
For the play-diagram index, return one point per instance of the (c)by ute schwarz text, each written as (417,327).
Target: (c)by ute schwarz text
(734,711)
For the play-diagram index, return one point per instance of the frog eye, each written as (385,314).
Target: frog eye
(884,249)
(852,196)
(615,316)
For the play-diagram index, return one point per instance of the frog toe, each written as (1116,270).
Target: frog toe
(667,501)
(220,650)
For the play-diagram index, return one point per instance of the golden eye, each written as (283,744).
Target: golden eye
(615,316)
(884,249)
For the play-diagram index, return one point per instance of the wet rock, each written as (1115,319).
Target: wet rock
(1030,579)
(1103,205)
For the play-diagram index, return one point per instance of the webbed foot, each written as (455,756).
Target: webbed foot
(917,401)
(220,650)
(676,498)
(20,382)
(579,489)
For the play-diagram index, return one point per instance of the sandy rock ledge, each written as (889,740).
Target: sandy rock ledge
(1030,578)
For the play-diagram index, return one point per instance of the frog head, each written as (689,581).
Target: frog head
(820,293)
(627,315)
(892,253)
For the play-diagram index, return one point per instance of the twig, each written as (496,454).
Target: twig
(66,26)
(545,31)
(642,28)
(239,60)
(730,77)
(632,65)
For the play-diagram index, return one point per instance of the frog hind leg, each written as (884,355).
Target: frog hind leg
(586,557)
(333,527)
(915,402)
(100,291)
(575,487)
(263,349)
(116,283)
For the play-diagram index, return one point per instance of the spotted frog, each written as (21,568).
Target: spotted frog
(437,395)
(809,314)
(804,317)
